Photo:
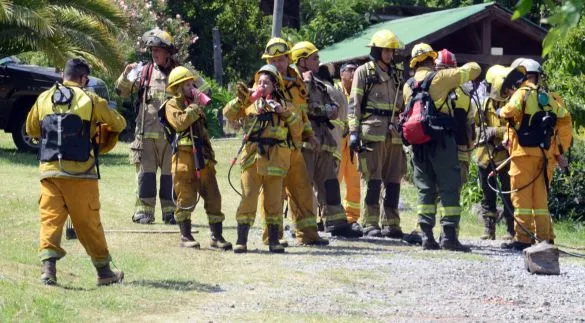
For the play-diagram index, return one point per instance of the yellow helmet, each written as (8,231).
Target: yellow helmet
(302,49)
(502,78)
(385,39)
(420,52)
(159,38)
(276,47)
(270,69)
(177,76)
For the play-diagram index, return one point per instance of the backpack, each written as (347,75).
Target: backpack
(421,121)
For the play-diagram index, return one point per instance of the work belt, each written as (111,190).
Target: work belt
(379,112)
(320,120)
(261,142)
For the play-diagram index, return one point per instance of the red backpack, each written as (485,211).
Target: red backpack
(421,122)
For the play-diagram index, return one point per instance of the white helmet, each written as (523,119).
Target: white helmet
(529,64)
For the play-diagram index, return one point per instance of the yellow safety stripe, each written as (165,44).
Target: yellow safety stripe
(391,222)
(166,209)
(464,75)
(335,216)
(308,222)
(490,215)
(541,212)
(151,135)
(353,122)
(463,156)
(356,91)
(338,123)
(450,210)
(144,209)
(365,171)
(294,118)
(381,106)
(518,211)
(215,218)
(353,205)
(245,218)
(396,141)
(368,137)
(248,162)
(426,208)
(276,171)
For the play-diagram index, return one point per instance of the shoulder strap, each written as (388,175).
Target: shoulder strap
(426,83)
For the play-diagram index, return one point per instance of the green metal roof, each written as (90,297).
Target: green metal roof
(407,29)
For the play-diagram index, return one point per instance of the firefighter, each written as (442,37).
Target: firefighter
(265,158)
(193,164)
(435,164)
(464,110)
(321,159)
(297,183)
(490,145)
(150,151)
(348,172)
(535,117)
(374,107)
(68,166)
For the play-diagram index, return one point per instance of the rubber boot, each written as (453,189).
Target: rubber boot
(274,245)
(310,237)
(49,272)
(392,232)
(107,276)
(187,240)
(345,230)
(489,224)
(515,245)
(428,239)
(217,240)
(169,218)
(372,231)
(143,218)
(509,229)
(450,242)
(241,243)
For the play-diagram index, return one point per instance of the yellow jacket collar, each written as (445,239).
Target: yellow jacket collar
(71,83)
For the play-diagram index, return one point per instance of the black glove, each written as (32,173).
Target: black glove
(354,141)
(489,135)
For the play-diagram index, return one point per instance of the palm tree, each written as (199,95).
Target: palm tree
(61,29)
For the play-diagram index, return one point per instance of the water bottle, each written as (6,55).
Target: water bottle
(135,72)
(201,97)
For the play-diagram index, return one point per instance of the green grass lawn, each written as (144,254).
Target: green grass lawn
(164,282)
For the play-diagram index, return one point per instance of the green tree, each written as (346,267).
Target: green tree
(324,22)
(565,67)
(61,29)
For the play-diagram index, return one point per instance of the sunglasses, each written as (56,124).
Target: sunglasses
(276,49)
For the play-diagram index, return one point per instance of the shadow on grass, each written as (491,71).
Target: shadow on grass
(493,251)
(77,289)
(13,156)
(181,285)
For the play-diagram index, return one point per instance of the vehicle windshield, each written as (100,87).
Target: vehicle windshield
(10,60)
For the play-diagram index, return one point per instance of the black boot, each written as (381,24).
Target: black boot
(515,245)
(489,232)
(187,240)
(241,243)
(169,218)
(217,240)
(273,244)
(49,272)
(510,233)
(392,232)
(345,230)
(372,231)
(143,218)
(107,276)
(450,242)
(428,239)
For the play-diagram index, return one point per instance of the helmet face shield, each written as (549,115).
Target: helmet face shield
(276,49)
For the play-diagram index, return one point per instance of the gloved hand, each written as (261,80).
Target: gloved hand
(498,112)
(354,141)
(488,135)
(242,93)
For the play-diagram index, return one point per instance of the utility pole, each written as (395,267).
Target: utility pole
(217,61)
(277,17)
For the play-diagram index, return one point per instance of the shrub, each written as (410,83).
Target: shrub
(567,192)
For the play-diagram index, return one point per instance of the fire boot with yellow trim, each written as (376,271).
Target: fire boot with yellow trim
(217,239)
(187,240)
